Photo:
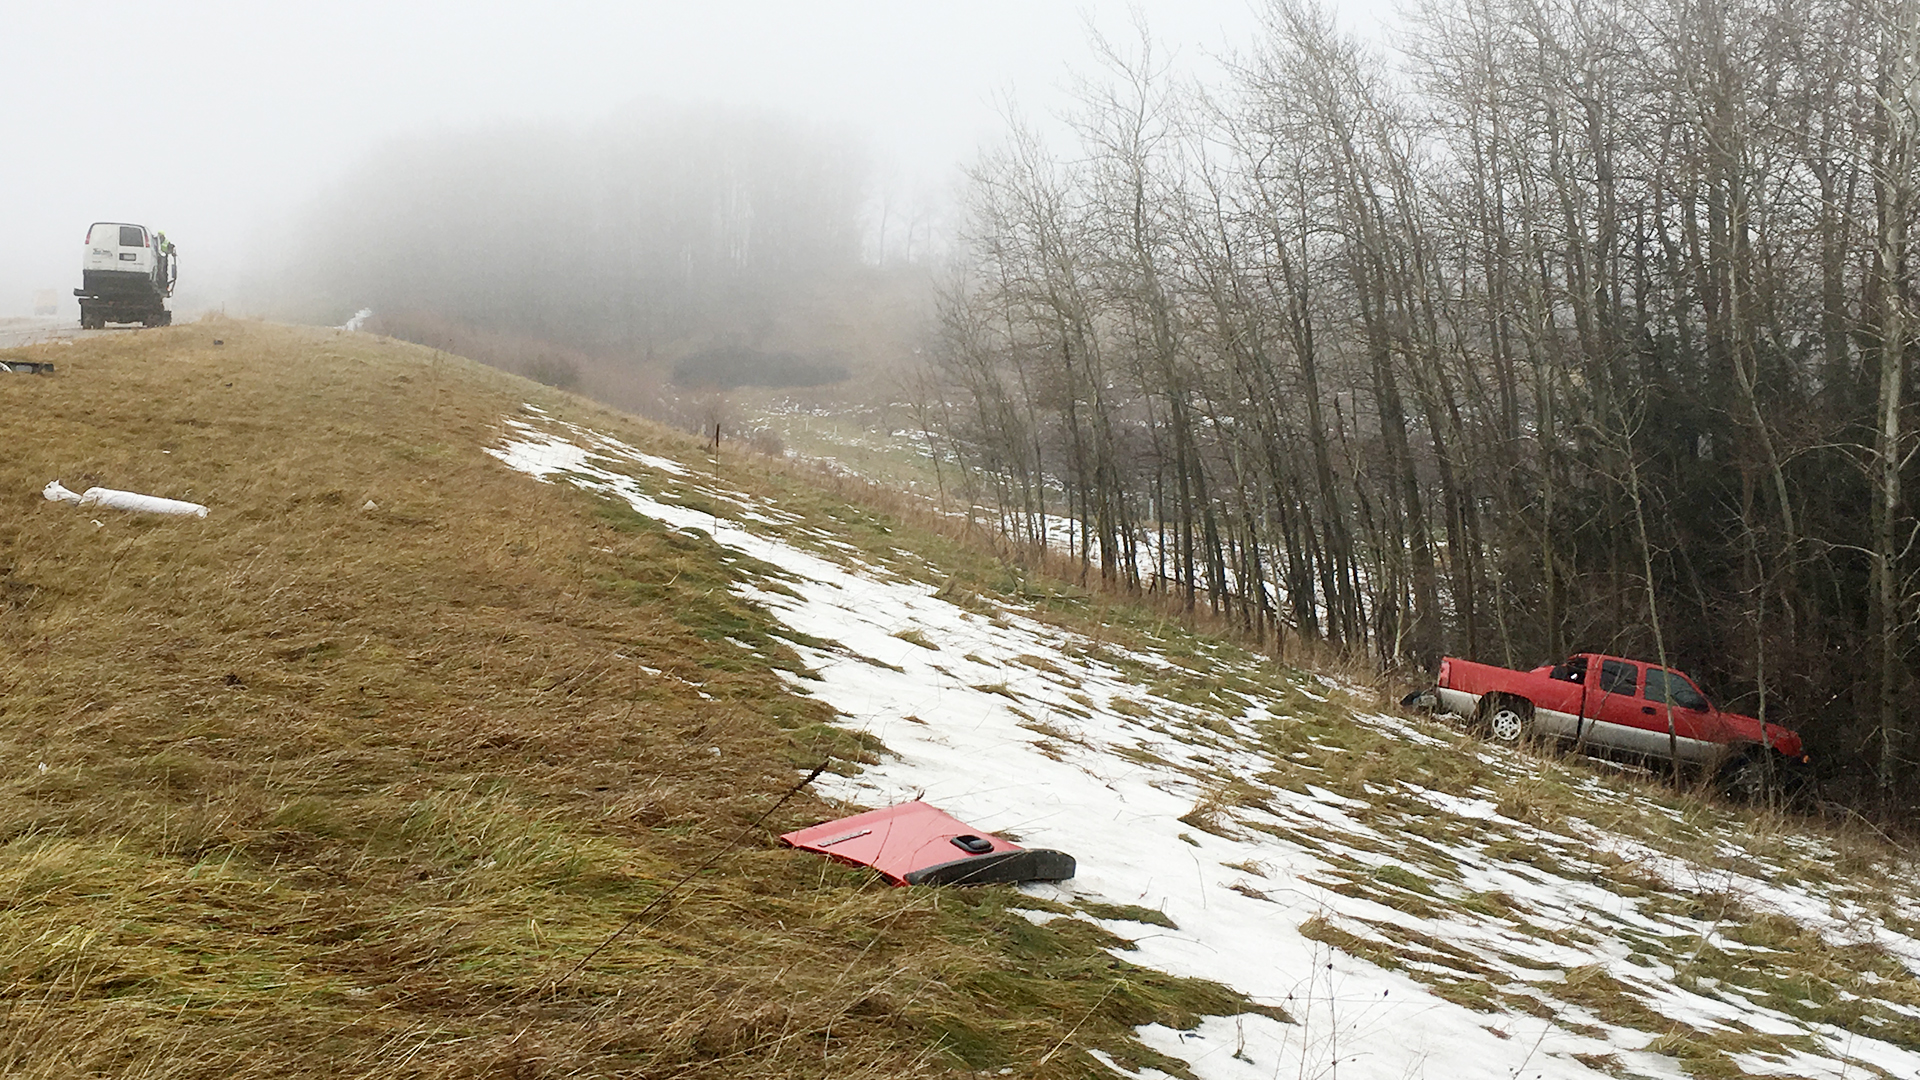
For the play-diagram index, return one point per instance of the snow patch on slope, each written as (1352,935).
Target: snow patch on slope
(1061,754)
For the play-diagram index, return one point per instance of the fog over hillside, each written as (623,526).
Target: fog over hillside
(617,237)
(220,121)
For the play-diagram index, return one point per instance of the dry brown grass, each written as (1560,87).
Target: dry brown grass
(313,787)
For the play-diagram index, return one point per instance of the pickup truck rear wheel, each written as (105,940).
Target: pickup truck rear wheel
(1507,719)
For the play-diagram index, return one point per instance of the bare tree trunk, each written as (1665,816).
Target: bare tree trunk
(1899,92)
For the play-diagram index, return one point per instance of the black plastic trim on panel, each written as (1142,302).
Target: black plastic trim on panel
(998,868)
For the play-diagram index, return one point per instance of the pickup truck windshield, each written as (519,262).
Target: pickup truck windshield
(1671,687)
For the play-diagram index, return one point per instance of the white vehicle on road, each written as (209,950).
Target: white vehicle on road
(126,275)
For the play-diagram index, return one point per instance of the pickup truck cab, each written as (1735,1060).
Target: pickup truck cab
(1614,705)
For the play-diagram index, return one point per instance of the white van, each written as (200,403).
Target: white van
(126,275)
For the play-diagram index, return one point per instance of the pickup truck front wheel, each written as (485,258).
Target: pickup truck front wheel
(1506,719)
(1749,776)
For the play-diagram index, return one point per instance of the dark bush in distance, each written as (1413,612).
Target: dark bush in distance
(727,367)
(558,372)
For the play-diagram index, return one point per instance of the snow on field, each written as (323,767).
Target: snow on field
(1406,931)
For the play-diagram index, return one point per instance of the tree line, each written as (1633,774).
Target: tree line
(1574,324)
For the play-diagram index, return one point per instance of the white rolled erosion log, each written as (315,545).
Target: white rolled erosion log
(122,500)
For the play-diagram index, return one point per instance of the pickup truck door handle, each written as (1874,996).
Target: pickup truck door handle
(1648,709)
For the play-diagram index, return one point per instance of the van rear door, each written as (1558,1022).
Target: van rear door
(134,254)
(103,247)
(113,245)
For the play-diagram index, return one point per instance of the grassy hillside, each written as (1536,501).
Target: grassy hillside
(346,778)
(395,763)
(1404,899)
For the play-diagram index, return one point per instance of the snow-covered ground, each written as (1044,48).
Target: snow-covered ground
(1408,926)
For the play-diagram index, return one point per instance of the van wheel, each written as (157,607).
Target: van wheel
(1507,720)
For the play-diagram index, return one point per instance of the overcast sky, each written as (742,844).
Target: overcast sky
(211,120)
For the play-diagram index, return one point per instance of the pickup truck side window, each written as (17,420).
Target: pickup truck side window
(1619,677)
(1669,686)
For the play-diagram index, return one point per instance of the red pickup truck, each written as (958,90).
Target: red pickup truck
(1613,705)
